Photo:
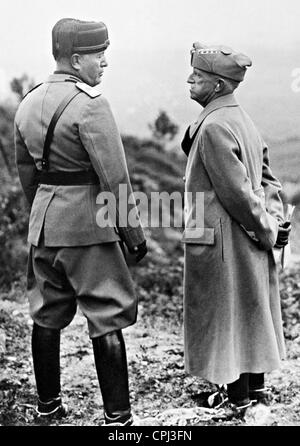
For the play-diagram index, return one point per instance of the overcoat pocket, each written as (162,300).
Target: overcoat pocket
(199,236)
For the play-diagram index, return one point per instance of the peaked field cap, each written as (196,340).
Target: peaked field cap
(71,36)
(220,60)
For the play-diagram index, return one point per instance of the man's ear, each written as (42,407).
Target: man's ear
(76,61)
(220,86)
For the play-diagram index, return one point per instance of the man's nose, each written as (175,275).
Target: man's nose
(103,62)
(190,79)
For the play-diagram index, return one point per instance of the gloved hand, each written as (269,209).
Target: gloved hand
(283,235)
(139,251)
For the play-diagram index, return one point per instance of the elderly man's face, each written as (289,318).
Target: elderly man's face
(202,86)
(91,67)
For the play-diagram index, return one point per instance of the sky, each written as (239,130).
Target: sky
(149,25)
(140,30)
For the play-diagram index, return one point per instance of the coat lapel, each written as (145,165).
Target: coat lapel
(223,101)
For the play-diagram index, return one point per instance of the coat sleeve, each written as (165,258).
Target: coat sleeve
(27,170)
(272,188)
(219,150)
(100,137)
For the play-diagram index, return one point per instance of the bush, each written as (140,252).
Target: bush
(163,129)
(13,230)
(7,151)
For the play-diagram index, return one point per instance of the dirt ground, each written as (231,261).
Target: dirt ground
(160,389)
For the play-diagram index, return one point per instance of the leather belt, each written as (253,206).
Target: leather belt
(63,178)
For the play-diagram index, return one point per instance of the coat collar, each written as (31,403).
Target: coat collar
(63,77)
(228,100)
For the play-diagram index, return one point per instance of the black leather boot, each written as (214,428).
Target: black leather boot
(45,354)
(111,366)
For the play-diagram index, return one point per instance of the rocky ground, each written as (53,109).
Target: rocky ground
(161,391)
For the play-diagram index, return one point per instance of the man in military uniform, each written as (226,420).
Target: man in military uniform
(68,149)
(232,317)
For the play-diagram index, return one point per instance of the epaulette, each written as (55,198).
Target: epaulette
(36,86)
(93,92)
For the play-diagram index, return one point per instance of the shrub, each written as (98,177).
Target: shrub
(13,230)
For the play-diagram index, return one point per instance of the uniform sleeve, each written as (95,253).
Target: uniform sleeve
(220,153)
(272,188)
(100,137)
(27,170)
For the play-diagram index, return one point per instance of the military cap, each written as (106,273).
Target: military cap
(220,60)
(71,36)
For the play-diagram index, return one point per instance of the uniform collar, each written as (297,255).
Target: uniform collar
(63,77)
(228,100)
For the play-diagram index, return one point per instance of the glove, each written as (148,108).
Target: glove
(283,235)
(139,251)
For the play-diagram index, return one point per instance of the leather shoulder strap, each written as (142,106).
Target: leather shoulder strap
(49,136)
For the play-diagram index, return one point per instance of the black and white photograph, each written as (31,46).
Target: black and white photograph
(150,216)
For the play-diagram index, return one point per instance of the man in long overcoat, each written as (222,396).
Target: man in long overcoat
(68,150)
(232,315)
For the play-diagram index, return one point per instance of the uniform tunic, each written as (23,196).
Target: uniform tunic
(63,220)
(232,315)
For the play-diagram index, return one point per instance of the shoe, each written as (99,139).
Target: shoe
(220,400)
(263,395)
(210,400)
(119,420)
(232,411)
(52,409)
(241,406)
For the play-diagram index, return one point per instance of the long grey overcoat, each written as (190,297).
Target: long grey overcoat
(232,315)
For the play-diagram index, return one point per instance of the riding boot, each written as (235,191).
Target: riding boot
(45,354)
(111,366)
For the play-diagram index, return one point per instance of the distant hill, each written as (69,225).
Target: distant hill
(140,83)
(148,82)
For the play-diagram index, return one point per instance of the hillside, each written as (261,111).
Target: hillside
(161,391)
(158,79)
